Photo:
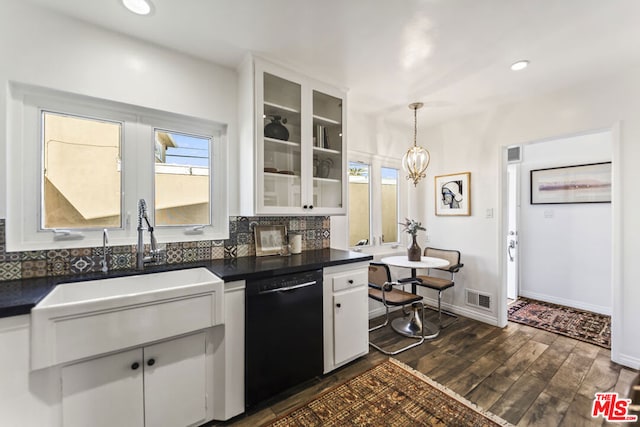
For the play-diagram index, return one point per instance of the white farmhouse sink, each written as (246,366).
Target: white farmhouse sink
(83,319)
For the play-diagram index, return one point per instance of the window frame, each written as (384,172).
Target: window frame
(370,188)
(376,163)
(25,162)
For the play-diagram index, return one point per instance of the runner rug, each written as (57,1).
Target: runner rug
(389,394)
(582,325)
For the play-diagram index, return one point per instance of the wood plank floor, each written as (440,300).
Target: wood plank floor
(527,376)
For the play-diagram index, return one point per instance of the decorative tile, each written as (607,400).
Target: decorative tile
(217,252)
(174,254)
(244,238)
(230,251)
(32,255)
(58,253)
(294,225)
(84,264)
(11,270)
(242,250)
(126,249)
(8,256)
(326,234)
(189,245)
(203,254)
(121,261)
(80,252)
(242,225)
(219,243)
(2,232)
(204,244)
(57,265)
(233,227)
(326,222)
(189,255)
(34,268)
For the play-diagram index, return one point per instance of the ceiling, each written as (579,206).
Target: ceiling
(453,55)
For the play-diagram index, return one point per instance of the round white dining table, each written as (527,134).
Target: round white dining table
(425,262)
(403,325)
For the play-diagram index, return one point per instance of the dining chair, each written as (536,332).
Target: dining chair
(381,289)
(439,283)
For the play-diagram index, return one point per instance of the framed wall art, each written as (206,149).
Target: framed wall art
(453,194)
(590,183)
(269,239)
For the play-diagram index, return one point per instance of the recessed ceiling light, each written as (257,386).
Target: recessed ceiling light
(520,65)
(140,7)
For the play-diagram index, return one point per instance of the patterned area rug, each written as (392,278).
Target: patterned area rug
(582,325)
(389,394)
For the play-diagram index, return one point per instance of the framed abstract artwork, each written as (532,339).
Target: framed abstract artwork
(590,183)
(453,194)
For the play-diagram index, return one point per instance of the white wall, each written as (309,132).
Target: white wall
(476,144)
(565,250)
(45,49)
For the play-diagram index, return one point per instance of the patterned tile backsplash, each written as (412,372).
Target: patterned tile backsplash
(316,233)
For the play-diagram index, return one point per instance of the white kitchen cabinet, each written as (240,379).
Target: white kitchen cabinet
(300,166)
(158,385)
(346,317)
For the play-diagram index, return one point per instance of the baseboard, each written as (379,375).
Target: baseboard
(567,302)
(487,317)
(625,360)
(461,311)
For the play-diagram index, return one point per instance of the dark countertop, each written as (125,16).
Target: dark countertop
(20,296)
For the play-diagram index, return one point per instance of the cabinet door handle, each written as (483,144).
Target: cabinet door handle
(151,362)
(135,365)
(338,305)
(310,206)
(350,281)
(305,207)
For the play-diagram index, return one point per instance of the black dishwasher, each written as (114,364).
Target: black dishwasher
(283,335)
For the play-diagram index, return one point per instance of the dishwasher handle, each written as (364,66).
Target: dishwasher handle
(288,288)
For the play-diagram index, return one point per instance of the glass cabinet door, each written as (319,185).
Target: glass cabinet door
(281,155)
(327,151)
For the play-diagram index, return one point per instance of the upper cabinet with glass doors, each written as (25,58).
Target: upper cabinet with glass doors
(299,133)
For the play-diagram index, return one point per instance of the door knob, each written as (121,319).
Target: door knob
(151,362)
(135,365)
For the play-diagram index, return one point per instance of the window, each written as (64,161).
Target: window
(389,206)
(374,200)
(81,180)
(79,165)
(182,179)
(359,204)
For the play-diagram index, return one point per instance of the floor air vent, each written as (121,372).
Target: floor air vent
(478,299)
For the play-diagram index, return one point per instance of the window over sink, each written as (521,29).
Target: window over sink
(79,165)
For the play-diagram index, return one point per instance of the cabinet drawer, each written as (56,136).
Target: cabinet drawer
(349,280)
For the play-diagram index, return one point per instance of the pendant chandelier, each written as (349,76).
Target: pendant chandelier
(416,159)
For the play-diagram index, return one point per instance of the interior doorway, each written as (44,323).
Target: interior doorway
(513,209)
(557,252)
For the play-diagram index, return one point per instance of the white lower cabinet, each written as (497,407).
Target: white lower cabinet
(346,314)
(158,385)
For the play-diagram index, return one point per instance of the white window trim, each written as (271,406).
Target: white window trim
(24,169)
(376,162)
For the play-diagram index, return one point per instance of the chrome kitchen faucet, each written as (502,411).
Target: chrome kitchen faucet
(141,259)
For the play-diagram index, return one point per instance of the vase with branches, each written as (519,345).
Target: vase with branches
(414,252)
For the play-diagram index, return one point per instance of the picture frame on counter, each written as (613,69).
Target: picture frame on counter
(269,239)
